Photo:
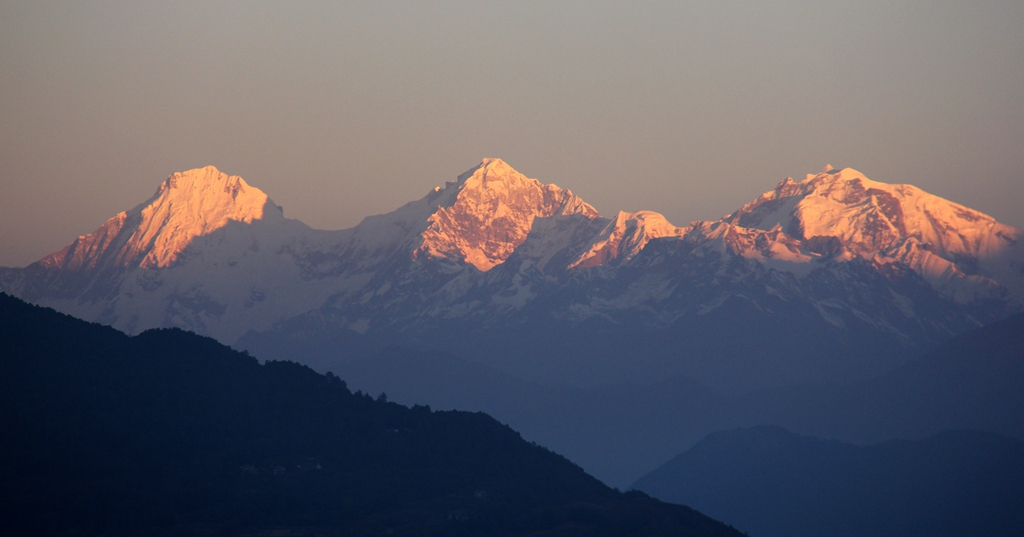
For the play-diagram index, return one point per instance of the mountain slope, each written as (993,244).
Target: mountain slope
(528,278)
(187,205)
(960,251)
(170,432)
(621,431)
(770,482)
(970,382)
(589,300)
(200,254)
(492,215)
(212,254)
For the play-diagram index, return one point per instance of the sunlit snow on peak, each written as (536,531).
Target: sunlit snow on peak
(492,214)
(187,205)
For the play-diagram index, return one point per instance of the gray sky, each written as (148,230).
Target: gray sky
(340,111)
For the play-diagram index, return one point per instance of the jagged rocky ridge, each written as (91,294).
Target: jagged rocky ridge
(528,277)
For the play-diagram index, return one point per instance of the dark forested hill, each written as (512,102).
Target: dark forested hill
(171,433)
(771,482)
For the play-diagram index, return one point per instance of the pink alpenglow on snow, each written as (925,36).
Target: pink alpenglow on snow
(187,205)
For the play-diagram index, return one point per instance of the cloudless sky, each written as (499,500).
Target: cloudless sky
(342,110)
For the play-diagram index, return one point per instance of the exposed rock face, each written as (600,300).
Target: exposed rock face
(494,254)
(187,205)
(625,237)
(962,252)
(155,265)
(492,214)
(87,251)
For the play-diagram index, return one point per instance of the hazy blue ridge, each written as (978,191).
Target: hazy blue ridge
(770,482)
(169,433)
(623,431)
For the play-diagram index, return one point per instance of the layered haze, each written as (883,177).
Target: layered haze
(805,307)
(750,257)
(341,111)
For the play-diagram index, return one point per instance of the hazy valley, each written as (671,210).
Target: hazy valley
(836,307)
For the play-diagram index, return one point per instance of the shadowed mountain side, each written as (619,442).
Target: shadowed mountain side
(751,340)
(831,279)
(173,433)
(615,432)
(973,381)
(620,432)
(773,483)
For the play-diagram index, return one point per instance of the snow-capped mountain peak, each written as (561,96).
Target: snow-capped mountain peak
(489,213)
(625,236)
(187,205)
(835,256)
(870,216)
(945,242)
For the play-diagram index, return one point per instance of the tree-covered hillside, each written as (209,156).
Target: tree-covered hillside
(171,433)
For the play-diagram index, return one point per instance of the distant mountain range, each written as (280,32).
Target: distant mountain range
(772,483)
(622,431)
(836,306)
(833,278)
(170,433)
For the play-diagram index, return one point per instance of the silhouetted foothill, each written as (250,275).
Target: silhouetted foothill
(172,433)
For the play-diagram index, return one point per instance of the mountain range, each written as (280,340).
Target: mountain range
(170,433)
(772,483)
(528,278)
(836,306)
(621,431)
